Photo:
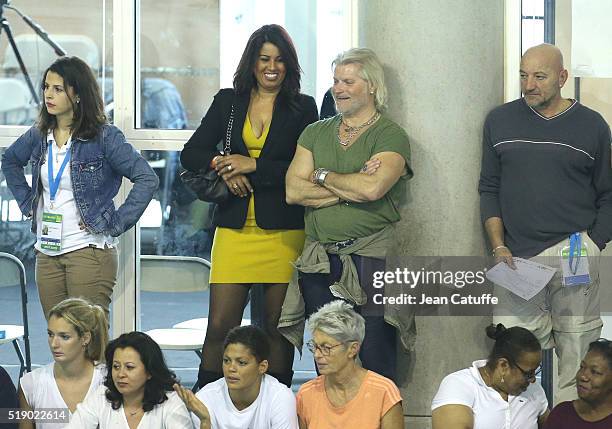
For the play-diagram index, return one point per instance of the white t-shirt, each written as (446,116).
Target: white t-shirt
(97,410)
(466,387)
(41,391)
(274,407)
(73,237)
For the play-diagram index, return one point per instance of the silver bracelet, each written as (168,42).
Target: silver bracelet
(499,247)
(315,174)
(320,175)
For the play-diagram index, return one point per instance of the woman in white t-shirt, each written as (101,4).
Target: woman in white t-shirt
(246,397)
(77,334)
(499,392)
(137,392)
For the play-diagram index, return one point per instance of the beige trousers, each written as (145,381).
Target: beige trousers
(566,318)
(88,273)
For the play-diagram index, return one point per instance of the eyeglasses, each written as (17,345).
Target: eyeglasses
(324,349)
(528,375)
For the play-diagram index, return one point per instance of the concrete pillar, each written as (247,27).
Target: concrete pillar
(444,64)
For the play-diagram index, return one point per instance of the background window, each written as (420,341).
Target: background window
(186,51)
(532,23)
(81,28)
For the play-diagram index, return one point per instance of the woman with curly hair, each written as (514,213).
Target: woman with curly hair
(137,391)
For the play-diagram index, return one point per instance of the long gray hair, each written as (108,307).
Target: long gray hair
(371,70)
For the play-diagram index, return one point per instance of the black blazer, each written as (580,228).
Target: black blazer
(268,180)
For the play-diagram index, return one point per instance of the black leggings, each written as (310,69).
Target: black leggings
(378,351)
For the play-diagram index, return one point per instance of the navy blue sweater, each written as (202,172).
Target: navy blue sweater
(546,177)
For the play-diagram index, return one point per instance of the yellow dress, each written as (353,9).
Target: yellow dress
(252,254)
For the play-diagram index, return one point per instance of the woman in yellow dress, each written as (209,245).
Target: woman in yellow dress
(258,234)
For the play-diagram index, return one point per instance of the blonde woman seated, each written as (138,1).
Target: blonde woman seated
(497,393)
(137,392)
(246,397)
(345,395)
(77,334)
(593,408)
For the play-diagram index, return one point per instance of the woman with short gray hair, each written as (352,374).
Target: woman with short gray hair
(345,394)
(338,319)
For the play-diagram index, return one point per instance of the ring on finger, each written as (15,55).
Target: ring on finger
(229,167)
(235,186)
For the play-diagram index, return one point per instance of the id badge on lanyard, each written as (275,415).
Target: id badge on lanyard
(51,232)
(575,262)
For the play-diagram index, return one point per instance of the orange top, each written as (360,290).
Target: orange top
(376,396)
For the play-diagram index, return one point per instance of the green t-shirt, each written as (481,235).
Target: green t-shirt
(342,222)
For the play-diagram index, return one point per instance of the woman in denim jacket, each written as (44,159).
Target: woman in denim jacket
(78,162)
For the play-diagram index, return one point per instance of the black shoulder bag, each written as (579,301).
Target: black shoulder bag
(206,183)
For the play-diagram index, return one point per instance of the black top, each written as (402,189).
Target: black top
(546,177)
(8,398)
(268,181)
(328,106)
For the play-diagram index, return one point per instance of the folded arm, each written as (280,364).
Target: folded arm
(360,188)
(299,187)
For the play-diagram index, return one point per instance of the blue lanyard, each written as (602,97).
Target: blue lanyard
(55,182)
(575,249)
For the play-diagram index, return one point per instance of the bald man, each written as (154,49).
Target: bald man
(546,193)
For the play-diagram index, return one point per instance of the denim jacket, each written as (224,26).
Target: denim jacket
(97,167)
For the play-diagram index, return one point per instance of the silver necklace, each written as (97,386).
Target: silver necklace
(352,131)
(133,413)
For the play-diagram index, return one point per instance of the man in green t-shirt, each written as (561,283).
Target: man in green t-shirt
(349,171)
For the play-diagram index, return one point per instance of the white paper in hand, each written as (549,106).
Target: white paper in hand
(526,281)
